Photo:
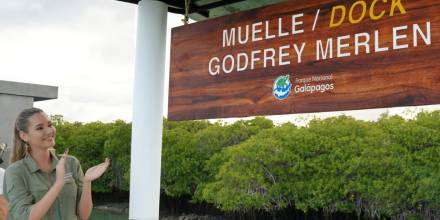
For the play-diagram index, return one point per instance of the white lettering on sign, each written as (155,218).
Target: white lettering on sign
(401,37)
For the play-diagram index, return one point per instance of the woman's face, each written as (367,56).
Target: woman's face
(41,133)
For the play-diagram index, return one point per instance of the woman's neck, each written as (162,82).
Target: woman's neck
(43,159)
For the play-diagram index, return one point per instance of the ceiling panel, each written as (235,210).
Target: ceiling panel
(205,9)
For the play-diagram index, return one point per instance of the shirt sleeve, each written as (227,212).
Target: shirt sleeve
(20,198)
(79,182)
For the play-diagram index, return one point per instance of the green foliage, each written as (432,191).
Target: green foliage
(187,146)
(389,168)
(250,175)
(180,163)
(91,143)
(384,169)
(117,147)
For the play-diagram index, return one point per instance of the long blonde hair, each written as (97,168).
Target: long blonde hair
(20,148)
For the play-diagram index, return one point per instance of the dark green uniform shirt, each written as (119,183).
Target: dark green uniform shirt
(25,184)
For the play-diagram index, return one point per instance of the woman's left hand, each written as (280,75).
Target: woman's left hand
(95,172)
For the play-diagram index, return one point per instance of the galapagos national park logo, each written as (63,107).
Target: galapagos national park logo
(281,87)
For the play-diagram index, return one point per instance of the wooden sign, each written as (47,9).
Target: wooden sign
(307,56)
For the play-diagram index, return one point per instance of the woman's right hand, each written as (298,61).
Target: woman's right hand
(60,168)
(39,209)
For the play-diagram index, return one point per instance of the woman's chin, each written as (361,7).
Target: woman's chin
(50,144)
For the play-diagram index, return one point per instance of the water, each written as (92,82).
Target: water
(106,215)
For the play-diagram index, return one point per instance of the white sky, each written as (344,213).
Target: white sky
(87,48)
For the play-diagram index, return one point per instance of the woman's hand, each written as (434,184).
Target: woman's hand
(60,169)
(95,172)
(85,204)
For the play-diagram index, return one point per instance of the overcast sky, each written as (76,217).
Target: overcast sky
(87,48)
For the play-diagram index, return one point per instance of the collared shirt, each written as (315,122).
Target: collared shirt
(25,184)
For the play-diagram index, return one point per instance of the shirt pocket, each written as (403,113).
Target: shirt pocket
(38,192)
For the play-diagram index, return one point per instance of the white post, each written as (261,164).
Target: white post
(148,98)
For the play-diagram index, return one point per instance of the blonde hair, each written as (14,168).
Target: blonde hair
(20,148)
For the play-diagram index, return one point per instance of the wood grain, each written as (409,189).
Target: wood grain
(405,77)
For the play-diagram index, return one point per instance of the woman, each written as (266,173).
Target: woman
(38,184)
